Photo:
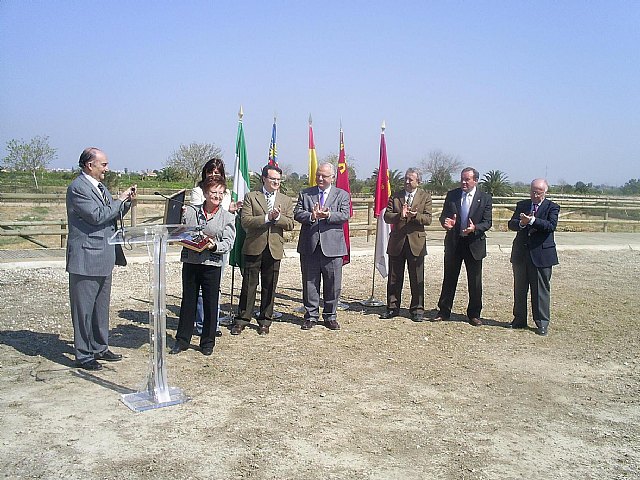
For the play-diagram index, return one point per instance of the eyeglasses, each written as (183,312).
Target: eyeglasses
(538,193)
(274,179)
(319,175)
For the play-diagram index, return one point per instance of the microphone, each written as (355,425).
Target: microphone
(200,226)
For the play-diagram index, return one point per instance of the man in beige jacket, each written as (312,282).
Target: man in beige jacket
(266,214)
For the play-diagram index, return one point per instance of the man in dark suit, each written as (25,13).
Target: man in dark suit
(533,255)
(266,214)
(322,211)
(91,214)
(466,216)
(408,212)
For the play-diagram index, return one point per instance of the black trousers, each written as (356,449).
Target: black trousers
(453,259)
(415,267)
(194,277)
(267,269)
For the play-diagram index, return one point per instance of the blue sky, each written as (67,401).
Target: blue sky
(542,88)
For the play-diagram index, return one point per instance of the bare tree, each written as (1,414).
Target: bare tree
(31,157)
(189,159)
(440,166)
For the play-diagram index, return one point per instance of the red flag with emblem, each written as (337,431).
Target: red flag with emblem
(342,181)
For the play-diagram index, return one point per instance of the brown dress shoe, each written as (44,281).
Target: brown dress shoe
(307,325)
(236,329)
(439,318)
(332,324)
(263,330)
(476,322)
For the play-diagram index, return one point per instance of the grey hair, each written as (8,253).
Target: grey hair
(416,171)
(333,169)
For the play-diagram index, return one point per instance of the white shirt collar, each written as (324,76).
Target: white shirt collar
(471,193)
(326,191)
(93,181)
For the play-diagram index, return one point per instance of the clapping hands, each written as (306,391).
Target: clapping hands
(318,212)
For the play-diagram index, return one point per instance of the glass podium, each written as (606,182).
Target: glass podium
(157,393)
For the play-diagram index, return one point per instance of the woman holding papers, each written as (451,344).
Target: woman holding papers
(201,265)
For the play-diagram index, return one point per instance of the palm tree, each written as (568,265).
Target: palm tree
(396,179)
(496,184)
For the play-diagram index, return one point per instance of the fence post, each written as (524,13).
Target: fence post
(134,212)
(63,237)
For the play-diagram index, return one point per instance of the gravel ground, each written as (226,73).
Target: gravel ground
(376,400)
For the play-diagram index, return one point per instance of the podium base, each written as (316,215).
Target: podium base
(143,401)
(371,302)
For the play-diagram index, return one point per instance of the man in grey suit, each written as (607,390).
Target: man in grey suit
(92,214)
(322,211)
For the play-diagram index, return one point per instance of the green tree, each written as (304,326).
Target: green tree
(583,188)
(32,157)
(496,183)
(189,159)
(632,187)
(440,166)
(171,174)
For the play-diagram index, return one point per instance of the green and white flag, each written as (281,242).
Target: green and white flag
(240,189)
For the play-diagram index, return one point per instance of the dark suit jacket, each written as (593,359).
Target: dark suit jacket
(410,229)
(260,234)
(536,240)
(328,232)
(91,224)
(480,214)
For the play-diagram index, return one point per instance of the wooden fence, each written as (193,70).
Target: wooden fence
(600,211)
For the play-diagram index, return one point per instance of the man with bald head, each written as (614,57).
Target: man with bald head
(91,214)
(533,255)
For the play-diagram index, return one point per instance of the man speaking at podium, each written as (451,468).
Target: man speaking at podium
(91,215)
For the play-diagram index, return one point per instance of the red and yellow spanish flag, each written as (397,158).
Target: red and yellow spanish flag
(313,159)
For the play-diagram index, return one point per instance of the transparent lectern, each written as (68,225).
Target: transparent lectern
(157,393)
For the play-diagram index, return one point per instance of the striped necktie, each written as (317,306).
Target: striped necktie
(103,191)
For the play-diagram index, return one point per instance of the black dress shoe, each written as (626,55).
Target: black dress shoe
(517,326)
(263,330)
(440,318)
(542,331)
(307,325)
(90,365)
(236,329)
(206,351)
(389,314)
(177,348)
(417,317)
(108,356)
(332,324)
(218,333)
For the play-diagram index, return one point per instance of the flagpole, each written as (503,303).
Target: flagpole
(231,315)
(372,301)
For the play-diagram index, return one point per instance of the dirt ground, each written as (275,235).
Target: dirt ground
(378,399)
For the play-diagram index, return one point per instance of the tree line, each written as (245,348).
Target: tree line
(182,169)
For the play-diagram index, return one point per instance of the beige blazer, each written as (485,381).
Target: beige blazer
(408,229)
(261,234)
